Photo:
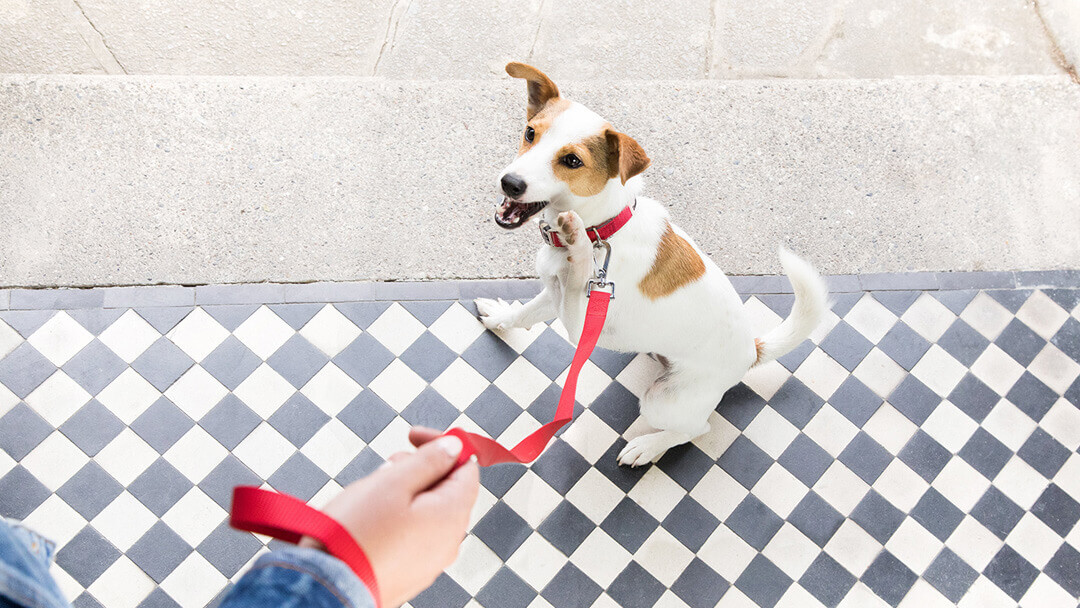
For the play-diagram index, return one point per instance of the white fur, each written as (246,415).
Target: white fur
(701,329)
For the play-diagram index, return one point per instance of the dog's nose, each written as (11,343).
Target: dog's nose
(513,185)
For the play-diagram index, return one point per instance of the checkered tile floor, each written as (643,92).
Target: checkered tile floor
(921,450)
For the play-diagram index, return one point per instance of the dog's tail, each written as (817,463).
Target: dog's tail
(811,302)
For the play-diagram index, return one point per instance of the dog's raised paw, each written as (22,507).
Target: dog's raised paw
(571,227)
(494,314)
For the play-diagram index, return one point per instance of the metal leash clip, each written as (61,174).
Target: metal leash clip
(545,232)
(601,282)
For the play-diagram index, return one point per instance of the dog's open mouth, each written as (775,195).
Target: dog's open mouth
(512,214)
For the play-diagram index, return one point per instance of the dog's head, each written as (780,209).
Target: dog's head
(569,158)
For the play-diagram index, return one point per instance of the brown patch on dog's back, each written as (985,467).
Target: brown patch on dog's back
(541,122)
(593,175)
(677,264)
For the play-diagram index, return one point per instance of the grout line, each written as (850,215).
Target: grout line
(95,40)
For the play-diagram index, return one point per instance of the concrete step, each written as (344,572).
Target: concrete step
(136,180)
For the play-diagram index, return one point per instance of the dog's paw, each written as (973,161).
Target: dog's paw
(644,450)
(572,229)
(495,314)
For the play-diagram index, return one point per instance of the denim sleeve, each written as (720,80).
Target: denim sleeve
(299,577)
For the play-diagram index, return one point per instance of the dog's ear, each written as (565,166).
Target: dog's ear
(541,89)
(625,156)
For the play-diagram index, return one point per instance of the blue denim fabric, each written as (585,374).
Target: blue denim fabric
(299,577)
(25,581)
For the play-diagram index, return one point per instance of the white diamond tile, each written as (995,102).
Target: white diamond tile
(122,585)
(460,384)
(332,447)
(196,454)
(532,498)
(760,318)
(54,460)
(1045,592)
(771,432)
(1034,540)
(720,436)
(663,556)
(841,488)
(397,385)
(985,594)
(590,436)
(57,398)
(914,545)
(536,561)
(1068,479)
(1062,421)
(331,389)
(901,486)
(821,373)
(1009,424)
(860,596)
(264,450)
(591,382)
(1054,368)
(263,332)
(780,490)
(194,582)
(961,484)
(831,430)
(55,520)
(474,566)
(457,328)
(330,331)
(124,521)
(766,379)
(60,338)
(928,317)
(879,373)
(657,493)
(870,318)
(594,495)
(126,457)
(719,493)
(264,391)
(129,336)
(1020,482)
(8,400)
(69,587)
(520,428)
(852,547)
(198,334)
(396,329)
(194,516)
(393,439)
(950,426)
(726,553)
(798,597)
(825,327)
(522,382)
(639,374)
(791,551)
(128,396)
(974,543)
(987,316)
(196,392)
(997,369)
(939,371)
(600,557)
(890,428)
(1042,315)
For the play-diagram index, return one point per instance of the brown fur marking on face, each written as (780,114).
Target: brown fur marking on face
(627,158)
(676,264)
(593,175)
(541,122)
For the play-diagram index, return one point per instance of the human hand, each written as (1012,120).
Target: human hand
(410,515)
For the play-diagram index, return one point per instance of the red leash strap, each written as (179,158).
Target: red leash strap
(286,518)
(488,452)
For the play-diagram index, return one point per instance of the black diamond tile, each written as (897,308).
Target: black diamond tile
(367,415)
(428,356)
(567,527)
(827,580)
(228,474)
(635,588)
(1032,396)
(220,597)
(806,460)
(90,490)
(914,400)
(796,402)
(754,522)
(897,301)
(493,411)
(231,316)
(616,406)
(763,582)
(298,419)
(1067,299)
(162,363)
(549,353)
(1020,342)
(506,589)
(997,512)
(1043,453)
(96,320)
(91,428)
(816,518)
(542,409)
(925,455)
(745,461)
(973,397)
(1011,299)
(498,480)
(159,551)
(985,453)
(780,303)
(740,405)
(443,593)
(629,524)
(364,359)
(877,516)
(21,430)
(296,316)
(955,300)
(846,345)
(21,493)
(94,367)
(796,356)
(489,355)
(686,464)
(299,477)
(1057,509)
(1072,394)
(904,345)
(430,409)
(560,466)
(298,360)
(865,457)
(963,343)
(699,585)
(26,322)
(364,464)
(231,362)
(24,369)
(502,530)
(855,401)
(623,477)
(86,556)
(889,578)
(427,311)
(690,523)
(160,486)
(362,314)
(85,600)
(1068,339)
(939,516)
(228,549)
(162,425)
(571,588)
(842,303)
(230,421)
(1011,572)
(950,575)
(610,362)
(1064,569)
(164,318)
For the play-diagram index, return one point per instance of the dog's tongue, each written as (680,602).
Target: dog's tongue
(511,211)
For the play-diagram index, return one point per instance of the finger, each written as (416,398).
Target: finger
(426,466)
(457,493)
(419,435)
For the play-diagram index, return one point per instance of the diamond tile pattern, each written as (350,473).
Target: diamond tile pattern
(892,477)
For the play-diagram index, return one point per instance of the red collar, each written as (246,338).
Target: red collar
(600,232)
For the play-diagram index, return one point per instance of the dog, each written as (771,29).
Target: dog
(575,171)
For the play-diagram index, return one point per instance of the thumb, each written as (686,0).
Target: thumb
(425,467)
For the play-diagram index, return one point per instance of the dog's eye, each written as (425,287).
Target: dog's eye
(529,134)
(571,161)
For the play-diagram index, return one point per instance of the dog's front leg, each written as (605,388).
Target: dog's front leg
(497,314)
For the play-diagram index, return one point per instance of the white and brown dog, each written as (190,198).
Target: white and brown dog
(672,300)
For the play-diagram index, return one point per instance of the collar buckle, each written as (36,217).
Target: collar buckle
(545,233)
